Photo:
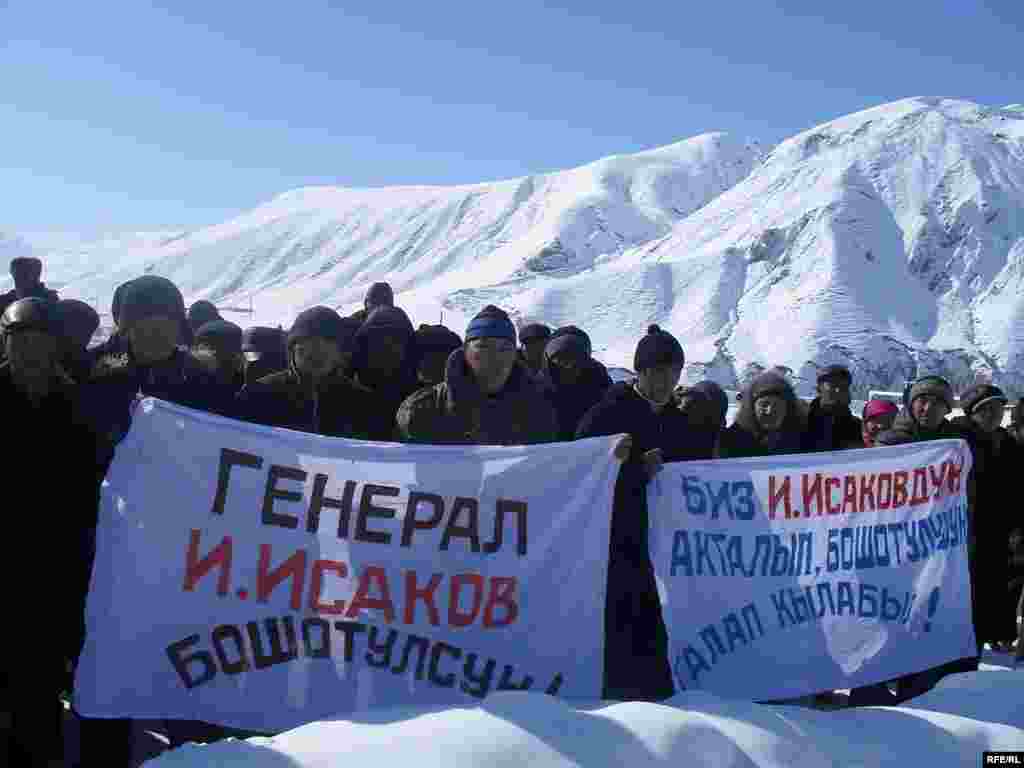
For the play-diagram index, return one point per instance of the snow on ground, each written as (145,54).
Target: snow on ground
(949,726)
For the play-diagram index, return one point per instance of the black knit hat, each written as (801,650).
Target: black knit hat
(201,313)
(319,321)
(385,319)
(151,296)
(979,395)
(78,321)
(833,372)
(770,383)
(568,340)
(437,338)
(658,347)
(936,386)
(379,295)
(534,332)
(221,334)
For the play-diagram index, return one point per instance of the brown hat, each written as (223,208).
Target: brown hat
(936,386)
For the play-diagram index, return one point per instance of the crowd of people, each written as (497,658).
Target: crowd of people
(375,376)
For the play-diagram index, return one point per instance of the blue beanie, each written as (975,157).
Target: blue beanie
(491,322)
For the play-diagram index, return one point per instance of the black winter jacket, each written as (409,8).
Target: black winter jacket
(572,401)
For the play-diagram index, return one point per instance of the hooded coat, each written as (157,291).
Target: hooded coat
(456,412)
(636,644)
(746,438)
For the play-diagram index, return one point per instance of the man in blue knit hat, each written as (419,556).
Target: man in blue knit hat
(487,398)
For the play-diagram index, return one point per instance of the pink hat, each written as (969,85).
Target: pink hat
(875,408)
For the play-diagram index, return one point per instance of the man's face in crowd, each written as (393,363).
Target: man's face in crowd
(928,411)
(153,339)
(491,360)
(533,351)
(770,412)
(989,417)
(834,392)
(316,356)
(658,383)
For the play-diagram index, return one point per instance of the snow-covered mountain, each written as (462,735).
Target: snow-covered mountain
(892,240)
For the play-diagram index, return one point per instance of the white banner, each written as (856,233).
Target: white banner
(263,578)
(791,575)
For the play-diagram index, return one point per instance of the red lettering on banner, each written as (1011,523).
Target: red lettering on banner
(812,492)
(779,492)
(362,599)
(320,567)
(829,483)
(850,495)
(196,568)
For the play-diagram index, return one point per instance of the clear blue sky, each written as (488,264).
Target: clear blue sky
(138,114)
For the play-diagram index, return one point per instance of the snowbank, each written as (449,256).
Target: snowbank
(951,725)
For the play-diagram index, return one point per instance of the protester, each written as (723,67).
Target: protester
(571,380)
(996,458)
(265,351)
(487,397)
(705,406)
(26,271)
(636,644)
(77,322)
(115,345)
(152,319)
(929,401)
(54,465)
(435,343)
(379,295)
(218,346)
(313,394)
(201,313)
(533,339)
(770,421)
(830,425)
(877,417)
(385,361)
